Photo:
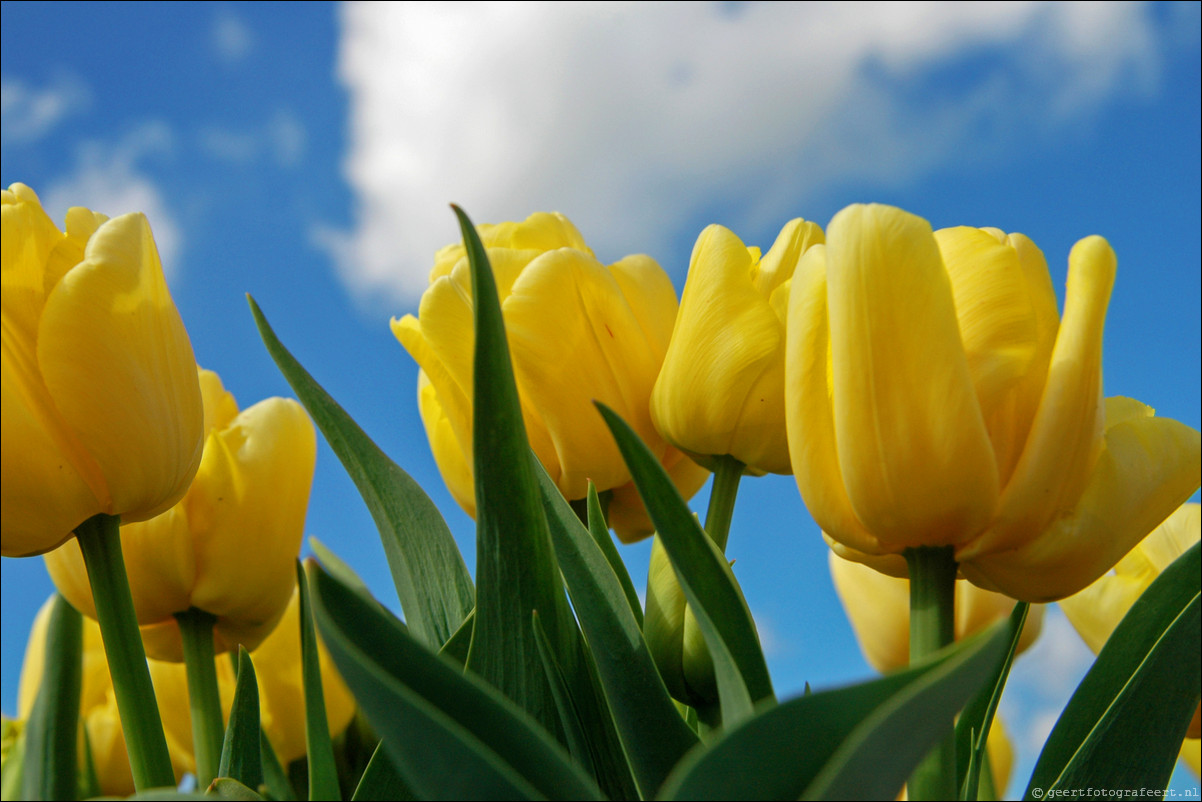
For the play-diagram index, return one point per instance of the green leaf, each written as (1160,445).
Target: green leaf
(229,788)
(275,777)
(651,729)
(599,529)
(450,735)
(380,781)
(972,728)
(323,773)
(52,731)
(705,577)
(1123,726)
(432,582)
(456,648)
(859,742)
(568,717)
(515,565)
(240,751)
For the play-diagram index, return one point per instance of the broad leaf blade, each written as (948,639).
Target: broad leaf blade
(1123,726)
(51,734)
(380,781)
(432,582)
(240,750)
(705,576)
(598,528)
(323,773)
(449,734)
(569,718)
(837,744)
(654,734)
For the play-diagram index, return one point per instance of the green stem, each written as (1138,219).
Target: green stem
(204,699)
(727,473)
(933,626)
(149,761)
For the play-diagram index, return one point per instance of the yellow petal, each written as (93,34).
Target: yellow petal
(1191,753)
(878,607)
(246,512)
(913,448)
(219,405)
(999,303)
(1149,466)
(1066,435)
(449,455)
(574,339)
(809,417)
(118,363)
(721,387)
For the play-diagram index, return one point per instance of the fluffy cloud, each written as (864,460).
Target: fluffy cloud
(634,119)
(108,178)
(29,113)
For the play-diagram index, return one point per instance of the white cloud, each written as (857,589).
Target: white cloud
(108,179)
(28,113)
(282,139)
(231,38)
(633,118)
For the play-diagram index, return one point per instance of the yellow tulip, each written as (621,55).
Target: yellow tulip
(934,398)
(229,546)
(102,413)
(98,706)
(1098,609)
(277,664)
(878,607)
(721,388)
(578,331)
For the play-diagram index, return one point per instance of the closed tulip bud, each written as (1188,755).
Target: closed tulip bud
(878,607)
(98,707)
(229,546)
(935,398)
(673,637)
(578,332)
(102,412)
(721,388)
(1098,609)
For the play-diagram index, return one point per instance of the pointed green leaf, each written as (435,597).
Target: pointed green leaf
(1123,726)
(599,529)
(229,788)
(568,717)
(654,734)
(450,735)
(275,777)
(380,781)
(240,750)
(51,733)
(323,773)
(432,582)
(457,647)
(972,728)
(722,613)
(859,742)
(515,566)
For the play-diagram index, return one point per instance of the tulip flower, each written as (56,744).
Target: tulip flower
(878,607)
(935,398)
(98,706)
(721,388)
(578,331)
(229,546)
(1098,609)
(102,412)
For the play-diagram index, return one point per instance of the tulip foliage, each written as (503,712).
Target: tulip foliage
(541,679)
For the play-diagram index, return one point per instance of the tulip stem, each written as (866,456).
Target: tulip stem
(933,626)
(149,761)
(204,700)
(727,473)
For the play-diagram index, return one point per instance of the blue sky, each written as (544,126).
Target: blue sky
(306,153)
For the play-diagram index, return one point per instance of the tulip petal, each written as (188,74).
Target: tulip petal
(246,512)
(721,387)
(448,453)
(574,339)
(1066,435)
(878,607)
(914,452)
(808,415)
(648,290)
(1149,466)
(117,361)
